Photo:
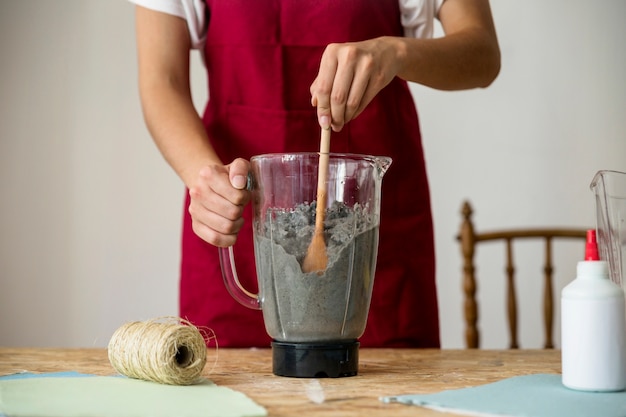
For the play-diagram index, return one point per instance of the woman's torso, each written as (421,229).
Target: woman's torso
(261,59)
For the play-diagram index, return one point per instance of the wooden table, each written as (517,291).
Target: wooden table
(382,372)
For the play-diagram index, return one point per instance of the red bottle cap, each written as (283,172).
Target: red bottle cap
(591,248)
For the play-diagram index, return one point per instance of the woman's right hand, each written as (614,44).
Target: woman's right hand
(217,191)
(218,197)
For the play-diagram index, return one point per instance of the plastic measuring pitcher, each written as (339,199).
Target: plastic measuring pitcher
(610,192)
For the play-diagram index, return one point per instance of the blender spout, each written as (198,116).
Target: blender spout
(597,183)
(382,164)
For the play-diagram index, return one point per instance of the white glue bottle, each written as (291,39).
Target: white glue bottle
(593,327)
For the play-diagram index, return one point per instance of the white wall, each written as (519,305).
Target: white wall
(90,213)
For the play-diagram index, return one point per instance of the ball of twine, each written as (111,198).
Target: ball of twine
(165,350)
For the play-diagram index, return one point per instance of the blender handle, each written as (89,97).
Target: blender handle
(231,280)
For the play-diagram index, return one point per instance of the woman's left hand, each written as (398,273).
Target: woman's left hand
(350,75)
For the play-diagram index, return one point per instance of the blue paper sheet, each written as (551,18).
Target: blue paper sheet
(23,375)
(539,395)
(72,394)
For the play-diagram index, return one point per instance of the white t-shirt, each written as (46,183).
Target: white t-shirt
(418,16)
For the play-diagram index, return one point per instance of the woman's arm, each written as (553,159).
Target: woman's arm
(163,47)
(351,74)
(468,56)
(216,190)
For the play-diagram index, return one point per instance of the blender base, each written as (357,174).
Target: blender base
(315,360)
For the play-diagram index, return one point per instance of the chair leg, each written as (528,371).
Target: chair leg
(467,239)
(511,295)
(548,296)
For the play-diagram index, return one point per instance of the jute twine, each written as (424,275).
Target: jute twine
(166,350)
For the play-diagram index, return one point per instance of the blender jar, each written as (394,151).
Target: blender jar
(314,318)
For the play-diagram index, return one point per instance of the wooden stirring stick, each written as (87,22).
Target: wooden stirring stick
(316,257)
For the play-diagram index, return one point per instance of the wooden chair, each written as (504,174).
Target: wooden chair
(469,239)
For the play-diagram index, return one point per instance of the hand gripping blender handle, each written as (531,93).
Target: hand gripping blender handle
(229,271)
(231,280)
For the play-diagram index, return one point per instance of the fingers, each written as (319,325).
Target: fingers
(352,81)
(321,90)
(238,173)
(340,86)
(350,76)
(217,201)
(331,88)
(211,226)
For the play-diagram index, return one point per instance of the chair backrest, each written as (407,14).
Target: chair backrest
(469,239)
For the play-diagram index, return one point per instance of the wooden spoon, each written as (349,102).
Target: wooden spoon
(316,257)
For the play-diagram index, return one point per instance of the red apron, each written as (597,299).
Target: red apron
(262,57)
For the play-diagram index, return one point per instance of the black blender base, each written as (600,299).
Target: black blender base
(315,360)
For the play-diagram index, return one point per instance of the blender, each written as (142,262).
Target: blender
(314,318)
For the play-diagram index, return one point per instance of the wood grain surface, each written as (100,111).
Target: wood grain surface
(382,372)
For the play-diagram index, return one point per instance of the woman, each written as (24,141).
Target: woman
(268,62)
